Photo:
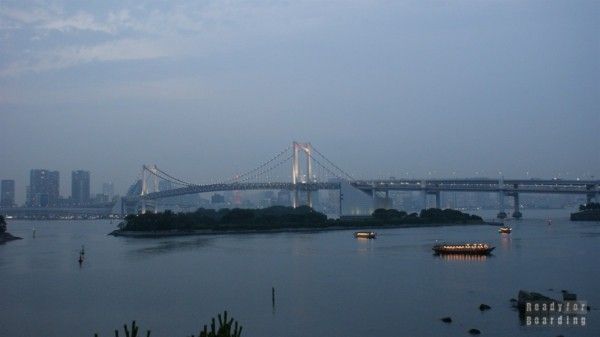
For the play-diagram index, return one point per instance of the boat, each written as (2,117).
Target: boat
(365,235)
(476,248)
(505,230)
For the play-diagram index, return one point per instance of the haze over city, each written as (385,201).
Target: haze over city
(383,88)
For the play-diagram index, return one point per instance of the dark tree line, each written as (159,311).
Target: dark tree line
(277,216)
(430,215)
(2,224)
(589,206)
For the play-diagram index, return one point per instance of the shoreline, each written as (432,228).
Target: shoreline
(7,237)
(590,215)
(201,232)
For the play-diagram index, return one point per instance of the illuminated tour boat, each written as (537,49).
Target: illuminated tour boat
(463,248)
(505,230)
(365,235)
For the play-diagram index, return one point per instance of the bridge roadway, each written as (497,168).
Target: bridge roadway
(193,189)
(430,186)
(509,186)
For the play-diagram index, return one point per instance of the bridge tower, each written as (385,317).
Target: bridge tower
(153,171)
(297,177)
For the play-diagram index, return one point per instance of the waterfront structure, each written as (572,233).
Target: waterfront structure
(43,188)
(80,187)
(7,193)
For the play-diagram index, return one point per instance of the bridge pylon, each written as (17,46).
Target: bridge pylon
(297,177)
(153,171)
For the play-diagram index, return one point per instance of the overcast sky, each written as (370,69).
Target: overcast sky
(206,88)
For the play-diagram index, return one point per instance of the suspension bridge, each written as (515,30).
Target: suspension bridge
(311,171)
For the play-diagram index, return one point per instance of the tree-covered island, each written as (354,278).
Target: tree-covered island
(4,235)
(278,218)
(587,212)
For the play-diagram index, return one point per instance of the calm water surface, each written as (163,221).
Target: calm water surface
(327,284)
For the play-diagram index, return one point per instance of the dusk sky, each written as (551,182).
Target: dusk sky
(211,88)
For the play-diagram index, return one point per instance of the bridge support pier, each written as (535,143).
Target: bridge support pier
(341,198)
(501,212)
(380,201)
(516,207)
(438,200)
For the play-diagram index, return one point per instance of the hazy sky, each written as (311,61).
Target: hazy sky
(206,88)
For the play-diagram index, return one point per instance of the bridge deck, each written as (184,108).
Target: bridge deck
(509,186)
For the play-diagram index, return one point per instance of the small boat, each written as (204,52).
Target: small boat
(82,252)
(80,259)
(463,248)
(365,235)
(549,222)
(505,230)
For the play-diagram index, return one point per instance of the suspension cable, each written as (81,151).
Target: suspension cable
(240,176)
(349,177)
(170,176)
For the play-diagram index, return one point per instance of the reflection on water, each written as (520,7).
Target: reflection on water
(590,235)
(462,257)
(173,245)
(505,241)
(364,245)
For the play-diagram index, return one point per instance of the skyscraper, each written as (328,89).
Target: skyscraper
(7,193)
(80,187)
(43,188)
(108,189)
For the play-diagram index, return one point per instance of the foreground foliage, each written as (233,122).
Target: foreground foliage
(226,328)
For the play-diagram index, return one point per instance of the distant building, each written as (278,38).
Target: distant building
(100,199)
(7,193)
(354,201)
(108,189)
(43,188)
(135,189)
(80,187)
(217,199)
(284,198)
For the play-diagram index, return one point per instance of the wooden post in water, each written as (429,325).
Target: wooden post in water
(273,297)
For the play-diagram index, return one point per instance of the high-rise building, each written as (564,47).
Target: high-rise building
(7,193)
(80,187)
(108,189)
(43,188)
